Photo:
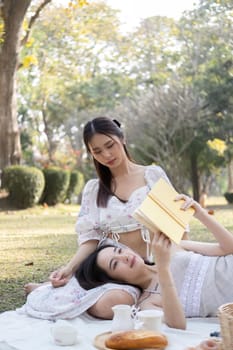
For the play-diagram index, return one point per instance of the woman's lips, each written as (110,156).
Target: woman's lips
(111,162)
(133,261)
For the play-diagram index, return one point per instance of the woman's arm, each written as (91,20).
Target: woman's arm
(60,277)
(103,307)
(88,237)
(221,234)
(173,310)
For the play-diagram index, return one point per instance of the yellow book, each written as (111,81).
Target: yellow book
(160,211)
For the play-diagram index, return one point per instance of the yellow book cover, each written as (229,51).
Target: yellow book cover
(160,211)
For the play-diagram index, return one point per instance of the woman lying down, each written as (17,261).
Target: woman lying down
(191,280)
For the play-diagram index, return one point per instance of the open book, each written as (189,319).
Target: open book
(160,211)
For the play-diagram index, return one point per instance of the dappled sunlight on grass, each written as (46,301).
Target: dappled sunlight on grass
(65,209)
(34,242)
(223,213)
(216,201)
(55,224)
(39,220)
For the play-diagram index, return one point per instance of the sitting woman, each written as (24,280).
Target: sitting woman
(193,283)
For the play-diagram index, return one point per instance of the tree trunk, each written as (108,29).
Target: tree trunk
(230,176)
(13,12)
(195,177)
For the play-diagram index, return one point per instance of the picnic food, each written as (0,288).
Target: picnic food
(209,344)
(135,339)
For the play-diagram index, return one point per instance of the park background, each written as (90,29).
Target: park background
(169,81)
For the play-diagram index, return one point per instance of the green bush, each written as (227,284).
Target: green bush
(56,185)
(75,186)
(24,184)
(229,196)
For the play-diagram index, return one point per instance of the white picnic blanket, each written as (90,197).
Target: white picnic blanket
(21,332)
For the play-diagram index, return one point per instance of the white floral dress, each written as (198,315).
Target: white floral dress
(67,302)
(96,223)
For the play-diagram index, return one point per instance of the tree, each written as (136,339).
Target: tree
(152,51)
(12,16)
(206,64)
(159,126)
(12,40)
(75,74)
(174,122)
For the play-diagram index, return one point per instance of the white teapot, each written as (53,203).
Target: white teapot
(64,333)
(122,320)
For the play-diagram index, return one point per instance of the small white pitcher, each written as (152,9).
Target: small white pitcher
(122,320)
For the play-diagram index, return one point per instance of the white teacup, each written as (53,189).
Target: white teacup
(150,319)
(64,333)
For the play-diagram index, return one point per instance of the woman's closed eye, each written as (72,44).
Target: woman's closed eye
(99,151)
(111,145)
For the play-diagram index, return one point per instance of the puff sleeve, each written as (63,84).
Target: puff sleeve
(87,224)
(154,173)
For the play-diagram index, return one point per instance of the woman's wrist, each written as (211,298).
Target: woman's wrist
(201,214)
(167,285)
(166,280)
(70,268)
(163,269)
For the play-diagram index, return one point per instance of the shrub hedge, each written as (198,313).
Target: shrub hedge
(229,197)
(24,184)
(75,186)
(56,185)
(28,186)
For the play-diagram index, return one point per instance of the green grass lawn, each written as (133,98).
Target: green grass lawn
(33,243)
(36,241)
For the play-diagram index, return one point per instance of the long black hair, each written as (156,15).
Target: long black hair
(90,275)
(108,127)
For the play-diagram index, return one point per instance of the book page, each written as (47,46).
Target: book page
(160,211)
(164,194)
